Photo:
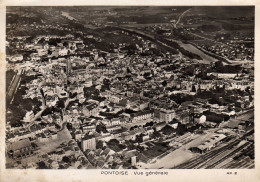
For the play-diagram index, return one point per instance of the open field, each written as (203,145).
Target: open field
(171,160)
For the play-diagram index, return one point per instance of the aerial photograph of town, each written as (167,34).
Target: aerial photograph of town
(130,87)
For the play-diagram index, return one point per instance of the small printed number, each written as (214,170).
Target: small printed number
(235,173)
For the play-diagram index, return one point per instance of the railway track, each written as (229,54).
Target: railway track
(201,160)
(228,156)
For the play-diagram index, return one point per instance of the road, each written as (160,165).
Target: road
(206,38)
(14,85)
(179,19)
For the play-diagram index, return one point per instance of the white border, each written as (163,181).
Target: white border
(201,175)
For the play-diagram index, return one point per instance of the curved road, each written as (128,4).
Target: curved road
(179,19)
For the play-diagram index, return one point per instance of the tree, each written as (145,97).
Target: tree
(65,44)
(69,126)
(156,134)
(66,159)
(60,104)
(181,129)
(99,144)
(47,111)
(167,130)
(151,123)
(27,104)
(101,128)
(115,145)
(193,88)
(164,83)
(72,95)
(113,142)
(139,138)
(133,127)
(41,165)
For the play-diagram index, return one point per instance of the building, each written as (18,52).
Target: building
(90,110)
(42,52)
(208,144)
(139,116)
(28,117)
(224,75)
(88,144)
(22,148)
(166,115)
(115,121)
(133,161)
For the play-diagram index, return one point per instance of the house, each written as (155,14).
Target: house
(42,52)
(77,135)
(17,57)
(88,127)
(106,137)
(129,136)
(90,110)
(146,137)
(38,46)
(113,128)
(28,117)
(159,126)
(115,121)
(42,137)
(149,131)
(88,82)
(114,99)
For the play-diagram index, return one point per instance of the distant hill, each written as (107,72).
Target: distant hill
(224,11)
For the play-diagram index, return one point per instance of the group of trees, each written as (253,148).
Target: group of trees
(221,68)
(50,110)
(115,145)
(20,106)
(89,91)
(101,128)
(180,98)
(180,130)
(216,118)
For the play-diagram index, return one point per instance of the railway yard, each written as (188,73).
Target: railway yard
(235,153)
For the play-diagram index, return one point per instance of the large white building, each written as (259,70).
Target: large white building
(166,115)
(88,144)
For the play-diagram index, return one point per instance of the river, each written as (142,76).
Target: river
(189,47)
(206,59)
